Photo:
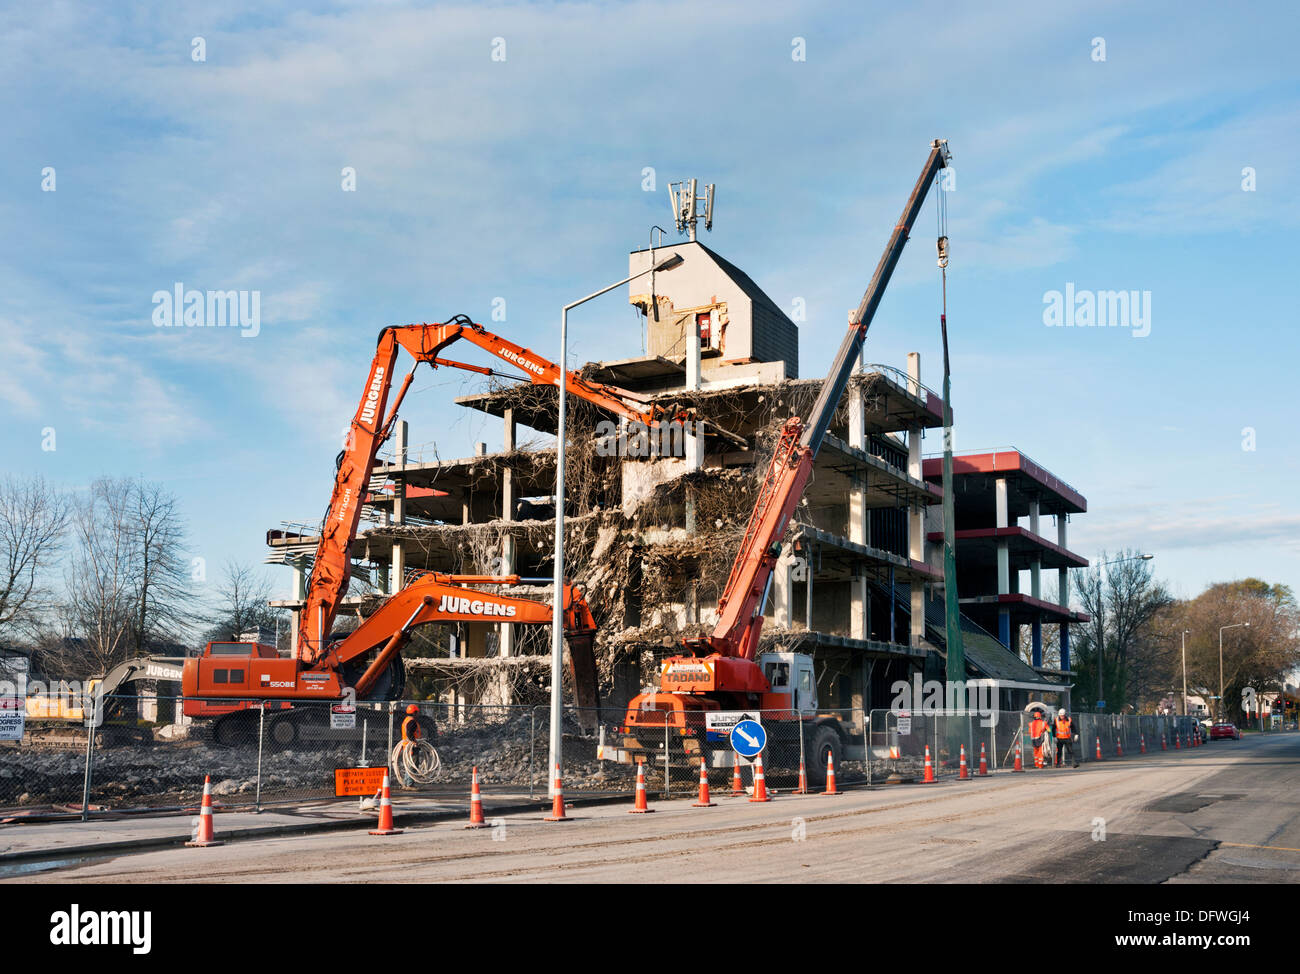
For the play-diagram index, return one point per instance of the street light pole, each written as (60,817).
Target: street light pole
(557,609)
(1235,625)
(1185,632)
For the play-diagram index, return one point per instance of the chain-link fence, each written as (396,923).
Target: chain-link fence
(154,752)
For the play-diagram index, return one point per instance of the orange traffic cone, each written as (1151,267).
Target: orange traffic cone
(704,788)
(476,820)
(557,803)
(803,779)
(1164,742)
(963,773)
(1020,764)
(737,785)
(641,807)
(1099,757)
(928,778)
(984,762)
(760,782)
(1178,740)
(1119,749)
(204,834)
(830,776)
(894,753)
(385,813)
(1142,744)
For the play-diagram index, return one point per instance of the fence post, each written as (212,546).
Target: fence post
(667,774)
(90,750)
(798,716)
(532,746)
(365,729)
(261,726)
(388,754)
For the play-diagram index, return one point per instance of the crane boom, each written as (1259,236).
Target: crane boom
(740,609)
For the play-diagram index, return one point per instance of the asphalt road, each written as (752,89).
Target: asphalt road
(1225,813)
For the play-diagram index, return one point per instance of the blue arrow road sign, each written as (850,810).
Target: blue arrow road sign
(748,738)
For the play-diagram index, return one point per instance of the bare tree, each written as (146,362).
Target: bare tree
(33,519)
(242,603)
(1121,636)
(127,584)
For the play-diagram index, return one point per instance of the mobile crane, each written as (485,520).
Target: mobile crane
(724,669)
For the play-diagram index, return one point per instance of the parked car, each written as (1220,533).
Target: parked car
(1225,731)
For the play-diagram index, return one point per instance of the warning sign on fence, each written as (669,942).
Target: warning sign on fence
(11,725)
(343,717)
(719,723)
(358,781)
(904,724)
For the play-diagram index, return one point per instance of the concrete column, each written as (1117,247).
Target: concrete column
(1036,635)
(1004,559)
(1036,565)
(783,589)
(859,517)
(397,571)
(297,592)
(915,516)
(1063,591)
(506,630)
(692,354)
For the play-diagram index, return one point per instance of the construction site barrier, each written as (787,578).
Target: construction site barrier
(148,755)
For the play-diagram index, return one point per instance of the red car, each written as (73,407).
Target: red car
(1224,730)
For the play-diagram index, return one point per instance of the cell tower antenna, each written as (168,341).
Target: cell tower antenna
(688,206)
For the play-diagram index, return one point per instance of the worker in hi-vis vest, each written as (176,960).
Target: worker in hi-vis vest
(1064,727)
(1038,736)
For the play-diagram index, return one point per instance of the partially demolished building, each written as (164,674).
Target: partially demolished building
(651,538)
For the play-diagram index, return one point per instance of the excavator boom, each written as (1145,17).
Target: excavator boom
(371,426)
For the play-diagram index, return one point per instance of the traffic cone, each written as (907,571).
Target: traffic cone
(984,762)
(1119,749)
(704,788)
(204,834)
(737,785)
(803,779)
(557,803)
(1142,744)
(1164,743)
(830,776)
(1099,757)
(1019,765)
(963,773)
(928,778)
(760,782)
(476,820)
(1178,741)
(641,807)
(385,813)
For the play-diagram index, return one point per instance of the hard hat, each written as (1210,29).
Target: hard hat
(412,709)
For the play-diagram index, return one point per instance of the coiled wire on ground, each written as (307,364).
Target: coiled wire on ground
(414,762)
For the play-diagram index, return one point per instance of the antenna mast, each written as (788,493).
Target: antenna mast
(687,204)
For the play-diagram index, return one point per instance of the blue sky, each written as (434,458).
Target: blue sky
(522,179)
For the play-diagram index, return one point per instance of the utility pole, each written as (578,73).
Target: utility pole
(1235,625)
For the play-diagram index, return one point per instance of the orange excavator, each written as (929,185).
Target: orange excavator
(724,671)
(367,662)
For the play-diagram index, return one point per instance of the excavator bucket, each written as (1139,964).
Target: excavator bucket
(582,667)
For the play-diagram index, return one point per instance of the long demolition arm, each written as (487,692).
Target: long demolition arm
(740,610)
(371,427)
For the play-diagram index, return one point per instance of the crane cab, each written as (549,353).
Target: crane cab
(791,681)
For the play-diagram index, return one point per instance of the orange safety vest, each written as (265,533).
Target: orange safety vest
(1063,728)
(1037,728)
(410,729)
